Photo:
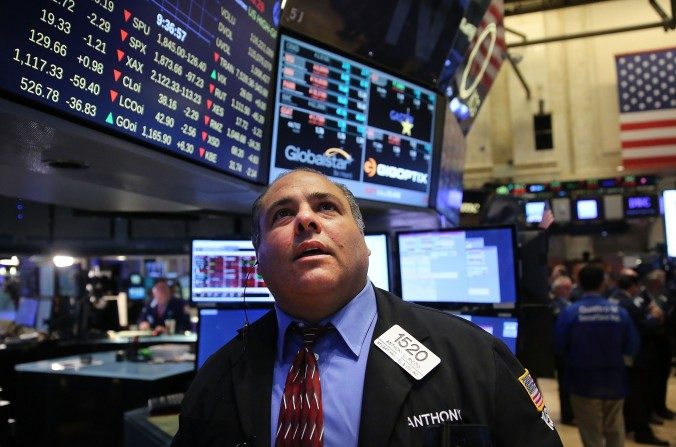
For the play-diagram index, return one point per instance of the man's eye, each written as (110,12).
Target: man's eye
(327,206)
(280,214)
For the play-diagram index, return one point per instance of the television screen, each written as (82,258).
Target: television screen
(370,130)
(534,211)
(669,204)
(219,326)
(643,205)
(587,208)
(222,268)
(613,207)
(461,265)
(26,313)
(379,270)
(503,328)
(188,78)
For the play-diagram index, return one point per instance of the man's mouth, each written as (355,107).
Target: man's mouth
(310,250)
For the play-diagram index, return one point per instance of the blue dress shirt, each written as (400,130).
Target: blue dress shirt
(342,366)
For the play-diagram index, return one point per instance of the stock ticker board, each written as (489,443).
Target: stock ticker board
(371,130)
(191,77)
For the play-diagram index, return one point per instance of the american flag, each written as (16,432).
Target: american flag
(646,83)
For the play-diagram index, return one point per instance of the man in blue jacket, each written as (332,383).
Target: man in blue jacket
(594,336)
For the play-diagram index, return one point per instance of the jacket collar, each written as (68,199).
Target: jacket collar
(252,378)
(386,385)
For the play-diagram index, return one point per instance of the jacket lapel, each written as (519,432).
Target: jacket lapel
(252,379)
(386,385)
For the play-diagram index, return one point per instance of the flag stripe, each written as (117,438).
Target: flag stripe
(649,152)
(649,142)
(636,135)
(648,124)
(650,163)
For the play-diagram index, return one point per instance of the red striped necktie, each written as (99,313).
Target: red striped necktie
(301,418)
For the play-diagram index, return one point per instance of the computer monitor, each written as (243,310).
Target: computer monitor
(216,327)
(534,210)
(222,268)
(27,311)
(587,209)
(669,205)
(373,131)
(641,205)
(379,270)
(460,265)
(136,293)
(502,328)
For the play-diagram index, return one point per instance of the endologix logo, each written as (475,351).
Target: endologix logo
(333,157)
(373,168)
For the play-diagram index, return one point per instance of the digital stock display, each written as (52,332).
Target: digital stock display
(191,77)
(370,130)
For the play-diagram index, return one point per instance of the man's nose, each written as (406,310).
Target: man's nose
(306,219)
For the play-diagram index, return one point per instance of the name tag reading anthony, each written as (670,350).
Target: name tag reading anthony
(407,352)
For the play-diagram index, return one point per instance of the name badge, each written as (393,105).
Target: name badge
(407,352)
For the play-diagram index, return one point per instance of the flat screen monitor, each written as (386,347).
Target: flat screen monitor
(187,78)
(587,209)
(461,265)
(379,270)
(372,131)
(642,205)
(222,268)
(669,205)
(505,329)
(136,293)
(534,210)
(27,312)
(218,326)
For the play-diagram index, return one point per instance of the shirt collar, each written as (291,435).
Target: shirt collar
(352,322)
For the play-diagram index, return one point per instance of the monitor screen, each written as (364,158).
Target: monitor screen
(470,265)
(534,211)
(502,328)
(643,205)
(669,204)
(379,270)
(188,78)
(219,326)
(587,208)
(26,313)
(370,130)
(136,293)
(222,268)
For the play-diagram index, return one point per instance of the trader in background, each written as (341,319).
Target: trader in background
(163,308)
(593,336)
(391,372)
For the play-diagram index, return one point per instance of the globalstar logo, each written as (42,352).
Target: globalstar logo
(333,157)
(372,168)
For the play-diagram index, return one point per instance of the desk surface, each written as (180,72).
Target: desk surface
(104,365)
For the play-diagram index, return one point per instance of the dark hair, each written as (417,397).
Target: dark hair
(591,277)
(626,281)
(256,207)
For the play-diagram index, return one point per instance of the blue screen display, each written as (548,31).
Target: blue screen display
(219,326)
(472,265)
(27,311)
(502,328)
